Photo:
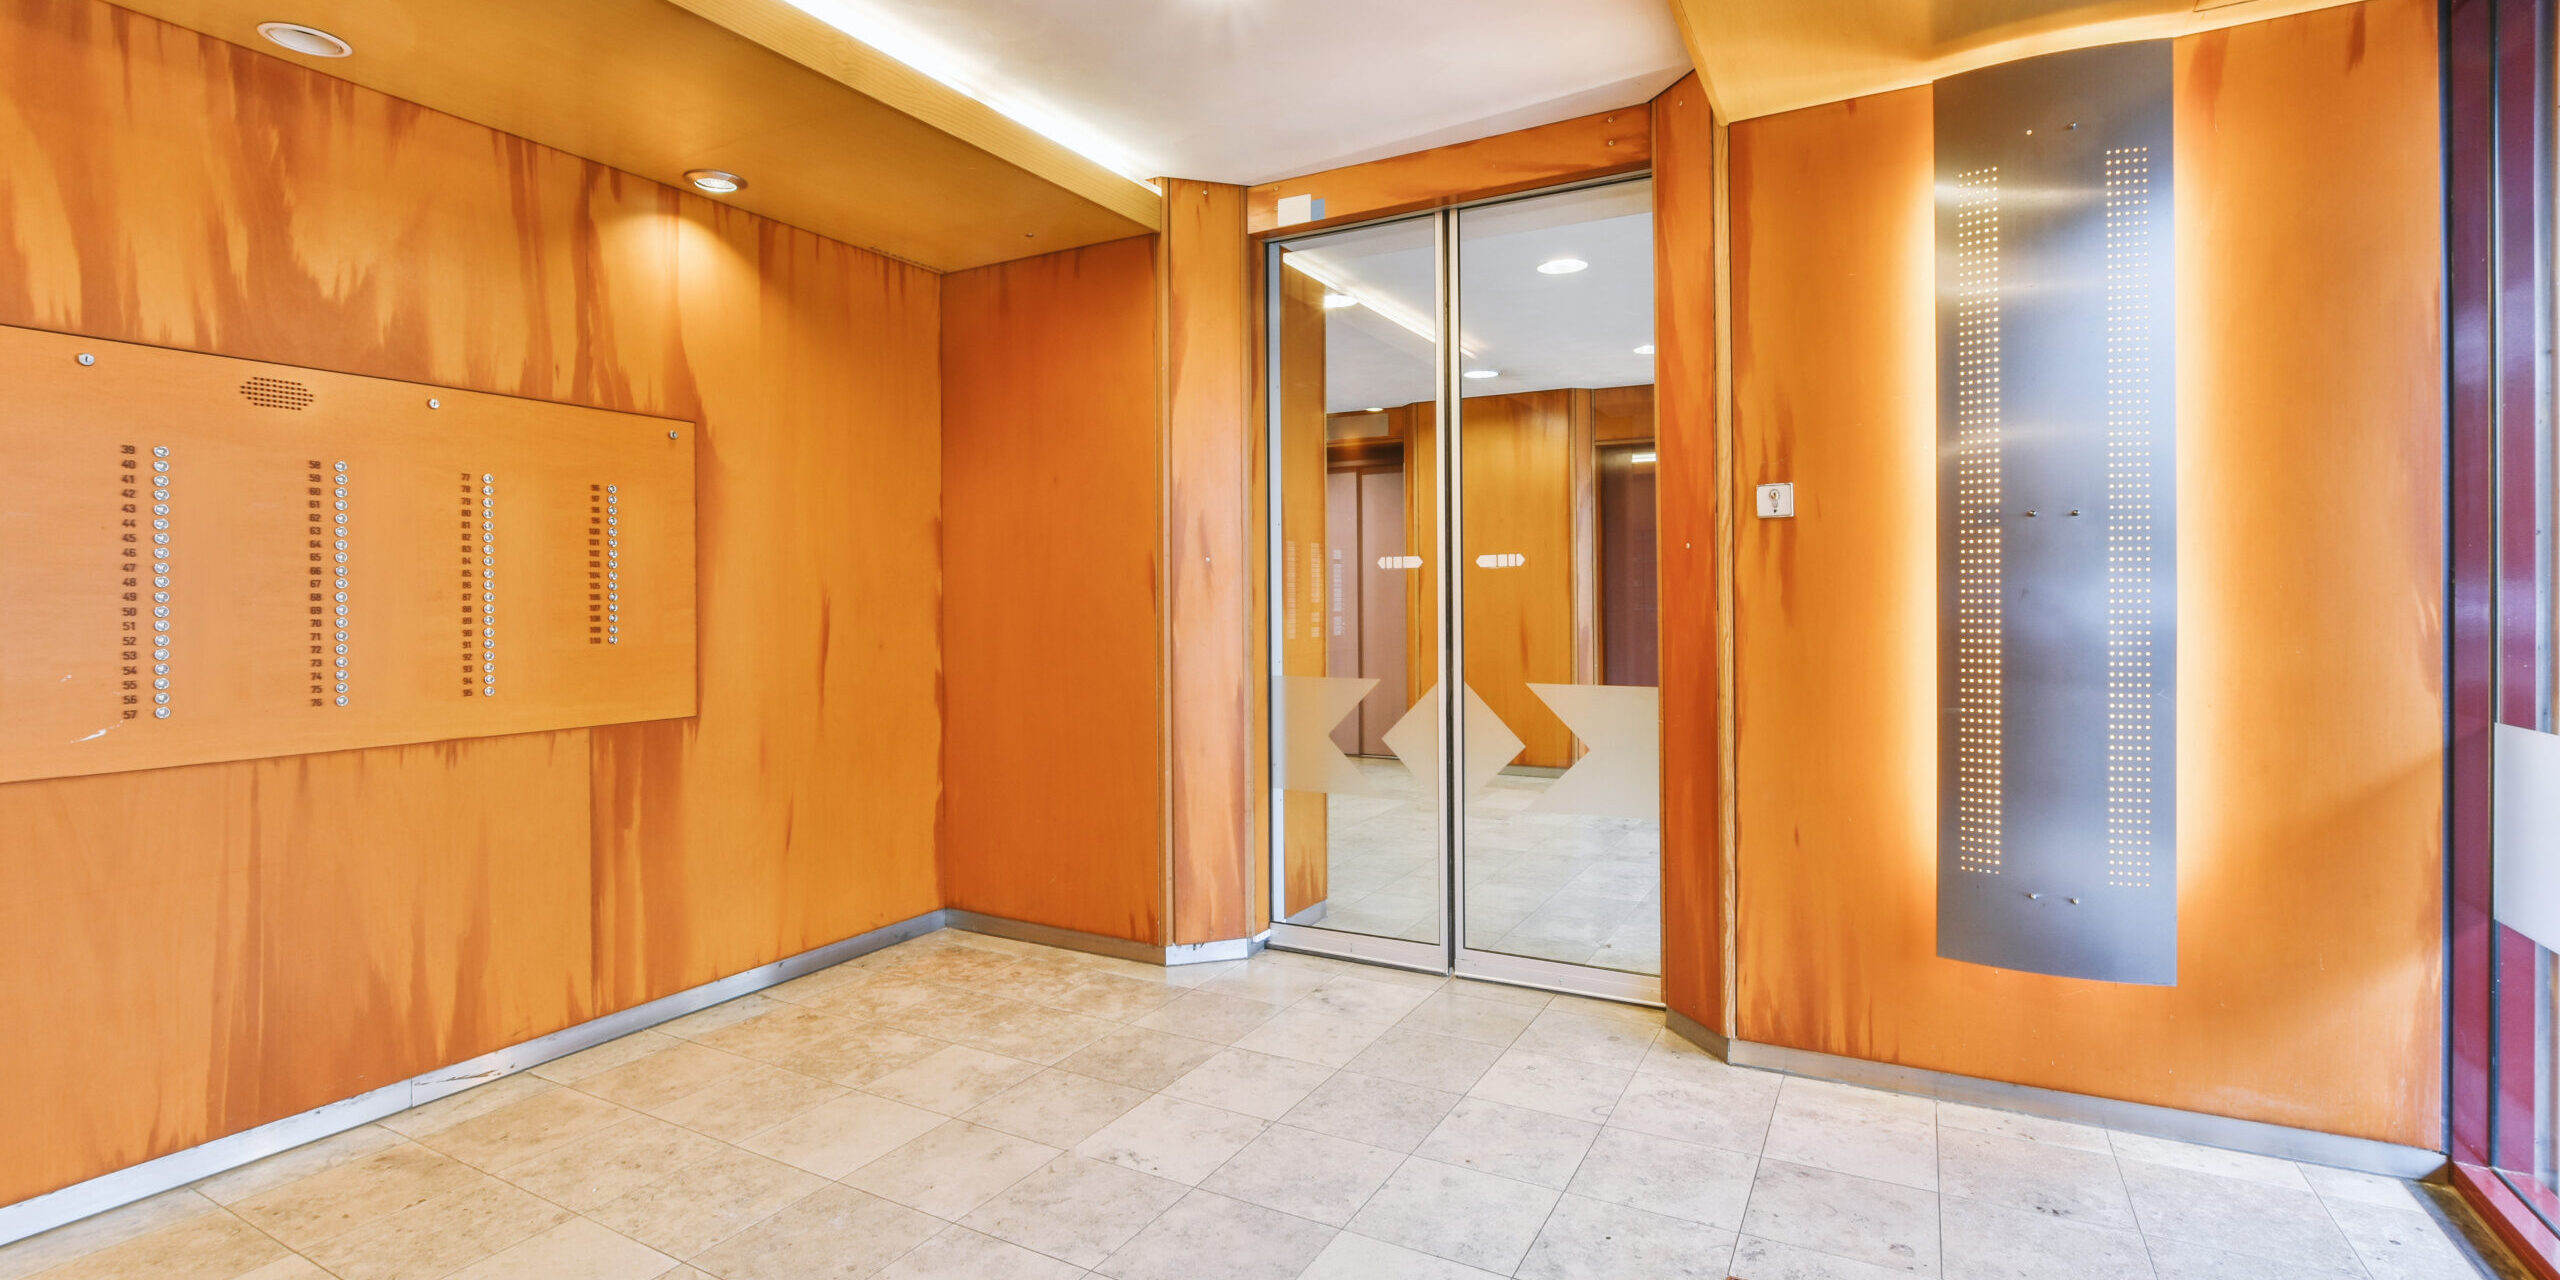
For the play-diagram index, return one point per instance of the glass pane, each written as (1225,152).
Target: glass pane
(1354,389)
(1556,564)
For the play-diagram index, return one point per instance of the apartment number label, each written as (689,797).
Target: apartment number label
(479,509)
(134,593)
(612,564)
(158,548)
(329,535)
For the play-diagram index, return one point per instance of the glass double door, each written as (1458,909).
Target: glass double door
(1462,481)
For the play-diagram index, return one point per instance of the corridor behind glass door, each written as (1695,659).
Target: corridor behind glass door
(1554,876)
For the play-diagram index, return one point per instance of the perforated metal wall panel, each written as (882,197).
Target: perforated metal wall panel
(2057,531)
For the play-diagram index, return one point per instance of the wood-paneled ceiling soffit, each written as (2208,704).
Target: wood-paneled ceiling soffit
(1759,58)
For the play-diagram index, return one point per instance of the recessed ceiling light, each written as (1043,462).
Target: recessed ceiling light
(1645,350)
(1484,373)
(1375,408)
(1337,301)
(1561,266)
(309,41)
(718,182)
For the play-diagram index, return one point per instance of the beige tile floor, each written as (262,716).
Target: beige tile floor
(1577,888)
(963,1106)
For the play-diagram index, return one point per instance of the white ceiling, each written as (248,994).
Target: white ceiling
(1536,331)
(1249,91)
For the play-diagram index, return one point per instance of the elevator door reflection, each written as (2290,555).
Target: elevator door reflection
(1365,599)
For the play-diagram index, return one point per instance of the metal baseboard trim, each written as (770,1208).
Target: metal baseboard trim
(1698,1033)
(43,1213)
(1049,935)
(2283,1142)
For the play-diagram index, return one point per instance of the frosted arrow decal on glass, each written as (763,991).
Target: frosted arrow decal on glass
(1313,706)
(1416,742)
(1621,725)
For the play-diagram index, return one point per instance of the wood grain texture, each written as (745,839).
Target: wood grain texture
(1625,414)
(1589,146)
(196,626)
(1202,259)
(1304,855)
(253,939)
(1681,415)
(225,944)
(1520,621)
(1582,485)
(800,806)
(1759,58)
(653,89)
(1052,592)
(806,39)
(2309,646)
(1420,425)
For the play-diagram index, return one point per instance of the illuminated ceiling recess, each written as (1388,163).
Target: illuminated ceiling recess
(955,67)
(1248,91)
(1758,58)
(837,138)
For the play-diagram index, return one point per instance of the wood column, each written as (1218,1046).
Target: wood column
(1204,327)
(1691,514)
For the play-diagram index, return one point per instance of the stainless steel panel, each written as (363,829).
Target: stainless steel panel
(2057,516)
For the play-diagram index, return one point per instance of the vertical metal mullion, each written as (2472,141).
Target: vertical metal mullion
(1274,706)
(1453,676)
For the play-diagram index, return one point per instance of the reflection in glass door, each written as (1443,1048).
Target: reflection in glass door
(1356,586)
(1503,826)
(1561,848)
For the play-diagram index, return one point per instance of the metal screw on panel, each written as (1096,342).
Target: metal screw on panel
(2075,511)
(2035,897)
(2075,901)
(2031,515)
(672,435)
(434,403)
(86,358)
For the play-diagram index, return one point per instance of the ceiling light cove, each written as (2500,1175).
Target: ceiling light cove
(871,22)
(1484,373)
(1337,301)
(308,41)
(1561,266)
(718,182)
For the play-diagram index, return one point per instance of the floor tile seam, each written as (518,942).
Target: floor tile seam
(511,1185)
(2149,1237)
(930,1236)
(224,1209)
(2331,1209)
(627,1115)
(2152,1240)
(1550,1217)
(687,1259)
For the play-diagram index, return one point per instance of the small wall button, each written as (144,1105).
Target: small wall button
(1778,501)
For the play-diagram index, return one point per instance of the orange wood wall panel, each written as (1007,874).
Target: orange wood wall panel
(256,938)
(1592,146)
(433,482)
(2309,646)
(801,805)
(1305,861)
(224,944)
(1209,441)
(1683,414)
(1051,618)
(1520,494)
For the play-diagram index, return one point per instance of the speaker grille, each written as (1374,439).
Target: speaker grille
(276,393)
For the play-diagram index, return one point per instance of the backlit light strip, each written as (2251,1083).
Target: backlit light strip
(873,25)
